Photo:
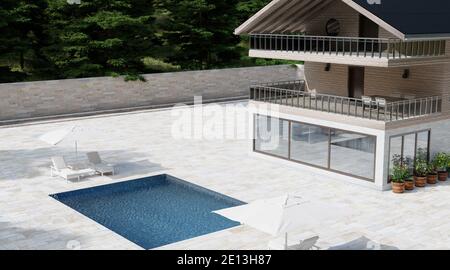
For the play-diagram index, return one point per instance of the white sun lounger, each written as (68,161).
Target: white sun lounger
(61,169)
(98,165)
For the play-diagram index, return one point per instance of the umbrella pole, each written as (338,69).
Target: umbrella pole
(286,241)
(76,151)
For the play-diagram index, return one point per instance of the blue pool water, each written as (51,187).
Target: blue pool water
(154,211)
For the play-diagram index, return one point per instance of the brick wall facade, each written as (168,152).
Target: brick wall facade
(49,98)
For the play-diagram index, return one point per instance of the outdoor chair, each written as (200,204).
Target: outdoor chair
(367,101)
(98,165)
(381,103)
(307,244)
(60,168)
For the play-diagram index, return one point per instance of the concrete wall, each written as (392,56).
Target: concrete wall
(49,98)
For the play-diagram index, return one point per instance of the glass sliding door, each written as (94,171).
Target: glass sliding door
(345,152)
(409,151)
(423,144)
(353,153)
(406,148)
(309,144)
(272,136)
(395,155)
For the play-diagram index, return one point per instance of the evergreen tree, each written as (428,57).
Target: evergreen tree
(21,28)
(100,37)
(247,8)
(199,33)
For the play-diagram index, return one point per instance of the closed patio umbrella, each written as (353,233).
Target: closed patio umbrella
(283,214)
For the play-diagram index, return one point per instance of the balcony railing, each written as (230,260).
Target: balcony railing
(348,46)
(293,94)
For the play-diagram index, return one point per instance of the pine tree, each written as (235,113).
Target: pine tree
(100,37)
(21,28)
(199,32)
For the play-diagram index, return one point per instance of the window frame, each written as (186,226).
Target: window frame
(328,168)
(416,134)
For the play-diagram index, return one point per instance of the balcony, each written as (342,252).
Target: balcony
(293,94)
(348,50)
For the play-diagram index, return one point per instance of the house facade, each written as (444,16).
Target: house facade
(376,85)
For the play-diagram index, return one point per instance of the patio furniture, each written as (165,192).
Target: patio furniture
(362,243)
(367,100)
(98,165)
(381,103)
(280,215)
(307,244)
(60,168)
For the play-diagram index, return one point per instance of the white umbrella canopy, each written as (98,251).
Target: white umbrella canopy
(283,214)
(58,136)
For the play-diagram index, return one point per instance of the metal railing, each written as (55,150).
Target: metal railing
(389,48)
(391,111)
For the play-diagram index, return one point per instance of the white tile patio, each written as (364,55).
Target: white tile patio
(142,144)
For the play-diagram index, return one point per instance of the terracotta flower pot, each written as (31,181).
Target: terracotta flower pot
(443,176)
(420,181)
(432,179)
(409,184)
(398,187)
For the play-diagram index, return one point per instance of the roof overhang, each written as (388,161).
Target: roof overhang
(283,16)
(290,16)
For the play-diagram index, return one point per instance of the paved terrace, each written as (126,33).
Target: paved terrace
(141,143)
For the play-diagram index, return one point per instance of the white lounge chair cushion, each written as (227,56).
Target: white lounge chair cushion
(104,168)
(69,173)
(94,158)
(59,163)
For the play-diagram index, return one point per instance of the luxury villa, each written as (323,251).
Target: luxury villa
(376,84)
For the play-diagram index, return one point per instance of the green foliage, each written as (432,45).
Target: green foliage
(100,37)
(400,173)
(199,33)
(159,65)
(21,27)
(432,168)
(441,161)
(421,167)
(51,39)
(134,77)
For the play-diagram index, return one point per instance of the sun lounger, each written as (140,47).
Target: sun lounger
(60,168)
(98,165)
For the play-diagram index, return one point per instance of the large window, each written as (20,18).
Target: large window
(331,149)
(406,148)
(353,153)
(272,136)
(309,144)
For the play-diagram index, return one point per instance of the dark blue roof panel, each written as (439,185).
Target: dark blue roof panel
(412,17)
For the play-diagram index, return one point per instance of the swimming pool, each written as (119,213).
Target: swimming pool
(153,211)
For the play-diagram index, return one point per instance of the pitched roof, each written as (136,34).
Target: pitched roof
(407,19)
(412,18)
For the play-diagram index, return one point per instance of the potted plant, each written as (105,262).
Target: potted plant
(420,172)
(432,175)
(448,163)
(441,163)
(409,182)
(399,174)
